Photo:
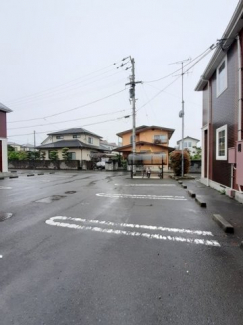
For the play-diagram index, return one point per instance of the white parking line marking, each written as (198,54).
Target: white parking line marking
(1,256)
(144,185)
(52,221)
(143,196)
(5,188)
(130,225)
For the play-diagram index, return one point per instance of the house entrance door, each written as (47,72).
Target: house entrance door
(1,158)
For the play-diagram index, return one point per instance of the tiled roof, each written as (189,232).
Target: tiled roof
(75,131)
(68,144)
(142,128)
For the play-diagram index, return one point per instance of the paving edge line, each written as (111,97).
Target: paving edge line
(224,224)
(200,201)
(191,193)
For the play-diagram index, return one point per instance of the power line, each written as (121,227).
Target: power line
(76,119)
(159,93)
(69,110)
(47,132)
(63,84)
(57,91)
(171,74)
(200,58)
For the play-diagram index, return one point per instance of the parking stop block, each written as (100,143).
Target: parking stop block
(224,224)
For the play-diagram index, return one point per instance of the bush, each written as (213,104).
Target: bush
(175,158)
(54,155)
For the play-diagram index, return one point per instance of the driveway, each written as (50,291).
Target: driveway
(100,248)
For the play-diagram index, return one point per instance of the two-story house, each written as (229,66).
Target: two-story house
(189,143)
(80,142)
(222,129)
(149,139)
(3,138)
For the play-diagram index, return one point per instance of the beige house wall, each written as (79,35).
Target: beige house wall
(81,154)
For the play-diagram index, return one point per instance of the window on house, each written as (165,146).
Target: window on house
(222,77)
(75,136)
(221,143)
(189,144)
(59,137)
(160,139)
(90,140)
(185,144)
(72,155)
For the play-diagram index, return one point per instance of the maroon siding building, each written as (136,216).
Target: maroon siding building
(3,138)
(222,129)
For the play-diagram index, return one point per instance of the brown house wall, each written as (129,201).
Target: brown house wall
(3,125)
(225,111)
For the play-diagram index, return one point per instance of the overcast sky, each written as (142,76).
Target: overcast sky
(57,55)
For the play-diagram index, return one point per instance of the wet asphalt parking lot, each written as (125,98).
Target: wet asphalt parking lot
(100,248)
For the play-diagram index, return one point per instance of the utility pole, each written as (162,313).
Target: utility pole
(182,112)
(132,84)
(34,139)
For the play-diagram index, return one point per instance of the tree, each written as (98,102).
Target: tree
(54,155)
(175,158)
(198,154)
(65,154)
(10,148)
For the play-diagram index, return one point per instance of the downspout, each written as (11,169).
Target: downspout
(240,94)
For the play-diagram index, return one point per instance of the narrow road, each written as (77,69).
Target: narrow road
(100,248)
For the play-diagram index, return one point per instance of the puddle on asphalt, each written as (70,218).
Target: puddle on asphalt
(51,199)
(5,216)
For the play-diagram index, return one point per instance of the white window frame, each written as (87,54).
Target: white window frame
(220,91)
(76,136)
(90,140)
(58,137)
(222,128)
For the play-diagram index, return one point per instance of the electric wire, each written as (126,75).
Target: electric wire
(63,84)
(69,110)
(48,132)
(76,119)
(172,73)
(200,58)
(62,91)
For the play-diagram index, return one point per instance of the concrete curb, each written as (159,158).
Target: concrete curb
(201,202)
(183,186)
(14,176)
(191,193)
(30,175)
(224,224)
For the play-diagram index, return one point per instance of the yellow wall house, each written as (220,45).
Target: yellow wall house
(149,139)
